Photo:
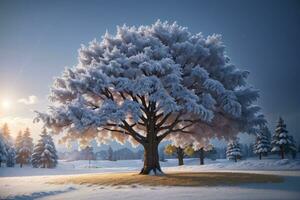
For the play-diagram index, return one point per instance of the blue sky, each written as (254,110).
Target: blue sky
(39,38)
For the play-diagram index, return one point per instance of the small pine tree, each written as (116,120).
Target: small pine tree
(3,150)
(18,141)
(6,132)
(7,144)
(262,144)
(281,141)
(44,154)
(233,151)
(24,149)
(11,155)
(18,146)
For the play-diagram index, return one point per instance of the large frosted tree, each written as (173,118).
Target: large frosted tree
(148,83)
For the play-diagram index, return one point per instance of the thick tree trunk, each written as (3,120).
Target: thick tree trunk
(151,158)
(180,155)
(21,164)
(259,156)
(202,156)
(235,158)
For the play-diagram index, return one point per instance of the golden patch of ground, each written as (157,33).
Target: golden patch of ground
(170,179)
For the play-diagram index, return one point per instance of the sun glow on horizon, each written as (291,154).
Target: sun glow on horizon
(6,104)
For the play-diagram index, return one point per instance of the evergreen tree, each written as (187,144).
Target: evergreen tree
(25,147)
(281,141)
(233,151)
(6,132)
(44,153)
(262,144)
(7,150)
(18,142)
(11,157)
(3,152)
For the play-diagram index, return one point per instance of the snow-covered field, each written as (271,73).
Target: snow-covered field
(29,183)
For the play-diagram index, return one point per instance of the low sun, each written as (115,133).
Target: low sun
(6,104)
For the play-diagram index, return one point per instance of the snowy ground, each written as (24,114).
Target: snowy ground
(29,183)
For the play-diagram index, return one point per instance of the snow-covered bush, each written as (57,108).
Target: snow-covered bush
(148,83)
(233,151)
(262,145)
(282,143)
(44,154)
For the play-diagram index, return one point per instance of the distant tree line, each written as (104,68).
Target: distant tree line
(22,151)
(88,153)
(280,143)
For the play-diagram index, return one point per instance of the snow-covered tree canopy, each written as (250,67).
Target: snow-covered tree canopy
(160,80)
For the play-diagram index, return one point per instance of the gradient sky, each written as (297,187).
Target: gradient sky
(39,38)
